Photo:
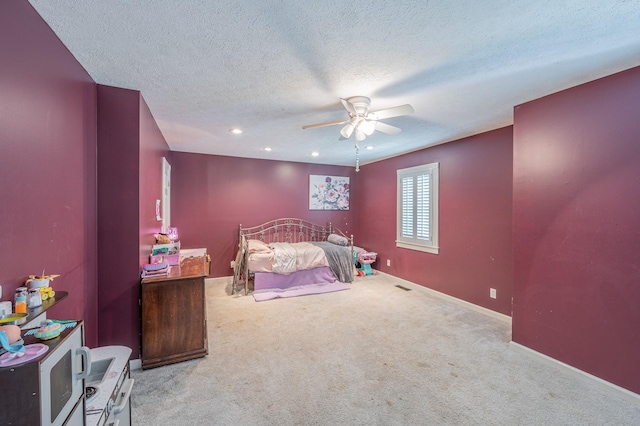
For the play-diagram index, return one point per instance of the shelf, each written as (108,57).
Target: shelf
(33,313)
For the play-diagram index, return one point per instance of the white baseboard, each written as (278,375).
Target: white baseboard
(481,309)
(135,364)
(603,384)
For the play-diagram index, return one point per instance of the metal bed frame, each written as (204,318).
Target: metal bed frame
(283,230)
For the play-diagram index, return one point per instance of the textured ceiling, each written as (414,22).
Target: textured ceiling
(271,66)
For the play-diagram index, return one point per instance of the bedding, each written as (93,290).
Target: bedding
(257,246)
(339,259)
(291,257)
(286,258)
(261,262)
(301,283)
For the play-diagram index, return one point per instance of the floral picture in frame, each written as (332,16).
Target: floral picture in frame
(328,192)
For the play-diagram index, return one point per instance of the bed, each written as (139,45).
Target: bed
(289,257)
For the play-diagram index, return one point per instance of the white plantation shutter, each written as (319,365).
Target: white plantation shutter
(418,208)
(407,207)
(422,207)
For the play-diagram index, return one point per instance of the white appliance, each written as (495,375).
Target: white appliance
(49,388)
(109,387)
(120,414)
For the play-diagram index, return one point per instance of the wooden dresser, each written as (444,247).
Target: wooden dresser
(174,315)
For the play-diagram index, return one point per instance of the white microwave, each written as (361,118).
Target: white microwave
(48,390)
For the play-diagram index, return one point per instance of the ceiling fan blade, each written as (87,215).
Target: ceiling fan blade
(393,112)
(388,129)
(328,123)
(348,106)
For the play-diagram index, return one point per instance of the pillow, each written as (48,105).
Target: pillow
(257,246)
(338,240)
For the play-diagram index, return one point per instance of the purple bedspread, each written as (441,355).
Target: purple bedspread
(312,281)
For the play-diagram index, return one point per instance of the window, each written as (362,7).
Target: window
(417,227)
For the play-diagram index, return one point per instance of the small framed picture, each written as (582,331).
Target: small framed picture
(328,192)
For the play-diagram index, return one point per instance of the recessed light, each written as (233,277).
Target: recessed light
(369,147)
(267,148)
(236,131)
(315,153)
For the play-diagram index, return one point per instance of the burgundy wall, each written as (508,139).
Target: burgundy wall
(475,219)
(118,220)
(47,165)
(130,147)
(152,148)
(577,227)
(211,195)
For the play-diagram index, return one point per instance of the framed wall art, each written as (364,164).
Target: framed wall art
(328,192)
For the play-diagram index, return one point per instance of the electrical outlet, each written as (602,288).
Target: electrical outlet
(492,293)
(233,264)
(388,262)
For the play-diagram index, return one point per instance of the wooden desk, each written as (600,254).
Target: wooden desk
(174,316)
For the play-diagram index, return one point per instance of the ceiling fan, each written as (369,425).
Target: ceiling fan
(363,122)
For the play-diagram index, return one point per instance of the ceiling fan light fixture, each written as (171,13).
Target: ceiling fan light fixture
(368,127)
(364,122)
(347,130)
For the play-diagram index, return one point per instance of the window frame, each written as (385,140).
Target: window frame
(414,243)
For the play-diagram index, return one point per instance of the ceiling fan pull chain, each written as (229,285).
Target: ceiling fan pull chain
(357,159)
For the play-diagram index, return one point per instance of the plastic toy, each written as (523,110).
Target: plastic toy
(366,259)
(47,293)
(49,330)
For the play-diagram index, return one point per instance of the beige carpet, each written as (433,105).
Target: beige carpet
(371,355)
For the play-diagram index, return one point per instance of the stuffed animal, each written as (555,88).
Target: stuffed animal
(163,239)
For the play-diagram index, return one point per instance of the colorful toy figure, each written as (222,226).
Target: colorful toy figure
(47,293)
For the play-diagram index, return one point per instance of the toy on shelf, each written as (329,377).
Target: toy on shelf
(49,330)
(38,281)
(47,293)
(365,259)
(40,289)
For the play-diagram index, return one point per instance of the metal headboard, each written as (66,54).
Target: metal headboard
(287,230)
